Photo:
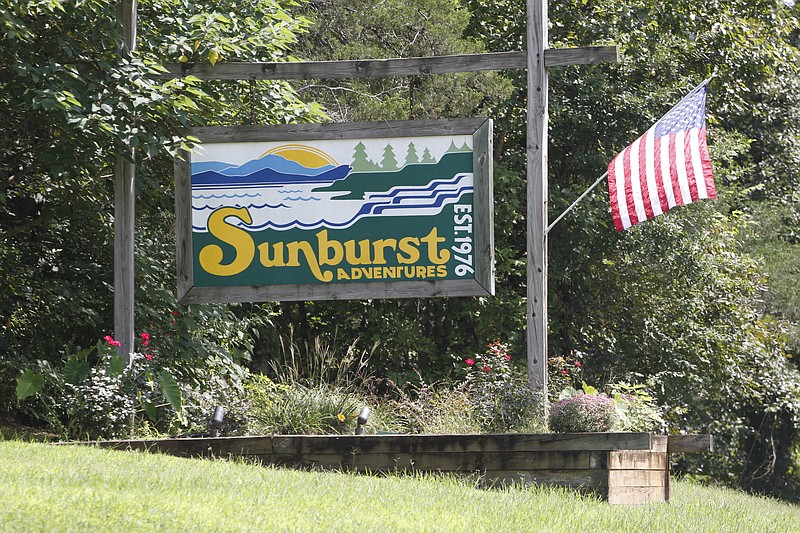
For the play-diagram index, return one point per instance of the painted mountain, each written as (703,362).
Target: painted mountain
(270,169)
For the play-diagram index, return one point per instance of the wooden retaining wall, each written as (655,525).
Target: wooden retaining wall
(623,468)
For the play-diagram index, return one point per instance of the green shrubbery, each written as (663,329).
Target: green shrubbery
(297,409)
(626,408)
(315,389)
(96,395)
(583,412)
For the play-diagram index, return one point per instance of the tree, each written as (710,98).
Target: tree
(674,302)
(68,103)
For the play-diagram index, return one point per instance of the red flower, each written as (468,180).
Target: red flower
(148,357)
(110,340)
(578,364)
(175,313)
(145,338)
(487,369)
(565,372)
(470,362)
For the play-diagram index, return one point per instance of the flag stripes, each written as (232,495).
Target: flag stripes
(666,167)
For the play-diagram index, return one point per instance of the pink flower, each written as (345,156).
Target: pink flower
(110,340)
(565,372)
(508,357)
(470,362)
(487,369)
(578,364)
(148,357)
(145,338)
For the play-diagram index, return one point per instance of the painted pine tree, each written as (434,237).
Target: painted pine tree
(411,155)
(389,161)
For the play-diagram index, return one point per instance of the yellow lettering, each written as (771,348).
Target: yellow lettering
(277,259)
(210,256)
(350,252)
(341,274)
(408,246)
(432,239)
(421,271)
(295,248)
(441,271)
(326,247)
(378,248)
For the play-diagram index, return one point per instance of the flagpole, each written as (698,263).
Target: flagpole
(581,197)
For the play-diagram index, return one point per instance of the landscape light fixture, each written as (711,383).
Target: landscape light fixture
(363,416)
(215,424)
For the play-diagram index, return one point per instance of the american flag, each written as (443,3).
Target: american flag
(667,166)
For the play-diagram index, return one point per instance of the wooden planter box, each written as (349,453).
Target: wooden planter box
(622,468)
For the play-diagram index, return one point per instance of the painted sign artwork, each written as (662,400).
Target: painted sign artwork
(335,213)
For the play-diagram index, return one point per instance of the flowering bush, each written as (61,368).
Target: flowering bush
(563,371)
(96,395)
(500,394)
(635,409)
(583,413)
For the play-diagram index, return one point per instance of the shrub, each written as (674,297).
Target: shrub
(563,372)
(296,409)
(500,394)
(636,409)
(431,408)
(96,395)
(582,413)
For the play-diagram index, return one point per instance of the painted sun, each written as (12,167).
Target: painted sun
(308,156)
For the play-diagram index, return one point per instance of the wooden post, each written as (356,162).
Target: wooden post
(537,198)
(124,211)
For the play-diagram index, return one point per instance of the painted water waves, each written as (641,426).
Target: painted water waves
(300,186)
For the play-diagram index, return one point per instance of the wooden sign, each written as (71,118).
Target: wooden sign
(336,211)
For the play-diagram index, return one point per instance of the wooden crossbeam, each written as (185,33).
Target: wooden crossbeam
(690,443)
(412,66)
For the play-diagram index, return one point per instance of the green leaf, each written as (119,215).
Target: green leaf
(171,391)
(150,410)
(76,370)
(116,365)
(588,389)
(29,384)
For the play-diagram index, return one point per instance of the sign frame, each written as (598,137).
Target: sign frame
(482,284)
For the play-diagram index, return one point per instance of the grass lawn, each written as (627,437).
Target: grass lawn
(61,488)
